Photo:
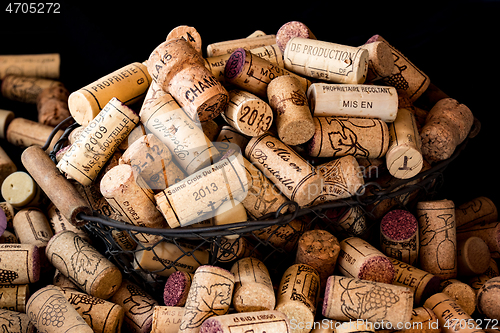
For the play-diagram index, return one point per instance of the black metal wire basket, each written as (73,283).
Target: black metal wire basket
(272,238)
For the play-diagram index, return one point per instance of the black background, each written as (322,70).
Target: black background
(454,42)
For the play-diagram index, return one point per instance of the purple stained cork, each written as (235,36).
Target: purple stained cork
(234,64)
(290,30)
(3,222)
(211,326)
(326,298)
(177,288)
(399,225)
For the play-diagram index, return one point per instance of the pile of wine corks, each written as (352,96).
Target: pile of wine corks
(185,139)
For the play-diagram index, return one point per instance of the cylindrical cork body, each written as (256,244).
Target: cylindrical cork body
(451,317)
(197,197)
(488,232)
(340,136)
(83,264)
(293,117)
(446,126)
(128,84)
(292,29)
(248,113)
(16,321)
(341,179)
(189,34)
(166,258)
(128,194)
(253,288)
(19,263)
(320,250)
(137,305)
(39,65)
(24,133)
(399,236)
(298,293)
(353,100)
(293,175)
(102,316)
(473,256)
(98,141)
(52,105)
(282,236)
(229,46)
(32,227)
(213,286)
(437,238)
(326,61)
(57,188)
(404,158)
(14,297)
(25,89)
(7,166)
(351,299)
(179,69)
(20,190)
(423,320)
(423,284)
(461,293)
(167,319)
(405,75)
(252,73)
(480,210)
(487,298)
(151,159)
(189,145)
(59,223)
(6,117)
(359,259)
(380,60)
(260,321)
(50,312)
(177,288)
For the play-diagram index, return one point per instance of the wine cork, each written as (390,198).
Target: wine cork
(177,288)
(480,210)
(461,293)
(437,238)
(359,259)
(50,312)
(293,117)
(340,136)
(25,89)
(127,84)
(405,75)
(404,158)
(38,65)
(248,113)
(473,256)
(189,145)
(380,60)
(423,320)
(326,61)
(62,281)
(253,288)
(211,129)
(166,258)
(399,236)
(261,321)
(32,227)
(24,133)
(20,190)
(180,70)
(229,46)
(234,247)
(293,175)
(487,299)
(58,189)
(252,73)
(342,179)
(292,29)
(230,212)
(298,293)
(102,316)
(16,321)
(19,263)
(446,126)
(212,286)
(352,299)
(131,196)
(488,232)
(98,142)
(189,34)
(52,105)
(8,238)
(422,283)
(230,138)
(451,317)
(353,100)
(6,117)
(59,223)
(282,236)
(7,166)
(14,297)
(167,319)
(83,264)
(9,212)
(137,305)
(198,196)
(351,222)
(476,282)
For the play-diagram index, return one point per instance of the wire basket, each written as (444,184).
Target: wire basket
(272,238)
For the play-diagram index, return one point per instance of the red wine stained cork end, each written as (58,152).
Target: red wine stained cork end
(398,225)
(378,269)
(176,288)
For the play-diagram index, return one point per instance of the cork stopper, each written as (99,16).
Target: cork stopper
(20,190)
(189,34)
(461,293)
(19,263)
(229,46)
(177,288)
(380,60)
(473,256)
(399,235)
(448,311)
(6,117)
(292,29)
(480,210)
(167,319)
(487,298)
(42,65)
(259,321)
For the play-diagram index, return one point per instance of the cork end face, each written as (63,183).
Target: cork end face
(213,106)
(211,325)
(404,162)
(398,225)
(176,289)
(328,292)
(80,107)
(487,298)
(234,65)
(289,30)
(297,132)
(377,269)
